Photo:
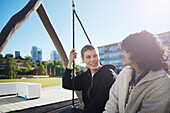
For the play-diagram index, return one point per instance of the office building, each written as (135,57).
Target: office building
(54,55)
(112,54)
(17,54)
(36,54)
(165,37)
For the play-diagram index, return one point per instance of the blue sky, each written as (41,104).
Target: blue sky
(106,22)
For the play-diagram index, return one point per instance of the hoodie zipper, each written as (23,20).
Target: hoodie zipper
(90,86)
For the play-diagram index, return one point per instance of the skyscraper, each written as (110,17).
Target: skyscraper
(36,54)
(54,55)
(17,54)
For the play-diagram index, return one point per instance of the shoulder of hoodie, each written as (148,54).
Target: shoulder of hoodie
(108,67)
(103,68)
(82,73)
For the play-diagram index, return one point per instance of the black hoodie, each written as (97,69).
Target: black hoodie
(95,90)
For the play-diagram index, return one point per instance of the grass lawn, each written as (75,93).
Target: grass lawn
(45,82)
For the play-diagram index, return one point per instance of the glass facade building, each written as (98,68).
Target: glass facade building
(54,55)
(36,54)
(111,54)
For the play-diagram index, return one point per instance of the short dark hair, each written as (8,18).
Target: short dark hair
(87,47)
(147,50)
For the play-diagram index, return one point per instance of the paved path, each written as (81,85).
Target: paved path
(49,95)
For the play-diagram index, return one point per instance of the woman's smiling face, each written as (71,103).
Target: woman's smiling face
(127,60)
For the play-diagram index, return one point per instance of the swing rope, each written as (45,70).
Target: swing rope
(73,76)
(82,27)
(74,13)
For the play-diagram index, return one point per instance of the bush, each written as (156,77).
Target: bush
(52,75)
(4,77)
(25,76)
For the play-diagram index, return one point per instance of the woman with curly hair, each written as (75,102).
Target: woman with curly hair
(143,86)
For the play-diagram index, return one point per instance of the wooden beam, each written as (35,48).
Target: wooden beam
(21,17)
(51,31)
(17,21)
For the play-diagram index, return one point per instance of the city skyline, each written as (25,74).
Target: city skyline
(18,52)
(106,22)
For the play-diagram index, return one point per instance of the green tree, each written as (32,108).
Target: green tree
(9,67)
(23,71)
(28,59)
(35,68)
(77,69)
(8,55)
(58,69)
(58,62)
(50,66)
(41,70)
(16,69)
(38,62)
(27,65)
(45,63)
(1,58)
(21,58)
(62,69)
(19,61)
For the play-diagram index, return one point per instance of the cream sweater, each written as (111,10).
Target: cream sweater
(150,95)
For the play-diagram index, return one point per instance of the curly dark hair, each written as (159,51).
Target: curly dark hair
(147,50)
